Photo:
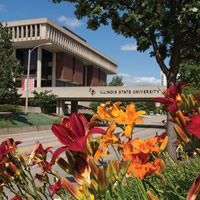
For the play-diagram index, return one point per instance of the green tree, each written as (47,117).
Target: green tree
(146,106)
(116,81)
(189,72)
(10,68)
(170,27)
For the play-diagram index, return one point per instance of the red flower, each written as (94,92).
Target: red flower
(16,197)
(57,188)
(46,166)
(8,146)
(73,132)
(172,97)
(194,125)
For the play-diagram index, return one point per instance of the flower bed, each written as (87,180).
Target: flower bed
(142,168)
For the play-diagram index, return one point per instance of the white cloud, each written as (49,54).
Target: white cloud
(137,81)
(129,47)
(70,22)
(2,8)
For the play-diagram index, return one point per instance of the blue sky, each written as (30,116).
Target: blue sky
(136,68)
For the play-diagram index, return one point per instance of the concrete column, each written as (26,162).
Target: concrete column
(57,107)
(85,76)
(74,106)
(39,66)
(61,107)
(53,81)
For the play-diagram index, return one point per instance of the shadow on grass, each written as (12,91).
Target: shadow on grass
(14,117)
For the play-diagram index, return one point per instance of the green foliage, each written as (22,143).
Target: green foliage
(171,28)
(46,101)
(189,72)
(10,108)
(93,105)
(116,81)
(146,106)
(10,68)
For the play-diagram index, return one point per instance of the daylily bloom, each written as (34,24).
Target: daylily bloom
(57,188)
(130,117)
(107,113)
(144,146)
(46,166)
(172,99)
(82,170)
(73,132)
(139,152)
(39,152)
(194,125)
(108,139)
(194,190)
(16,197)
(8,146)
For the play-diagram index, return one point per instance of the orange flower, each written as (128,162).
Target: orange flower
(145,146)
(139,153)
(130,117)
(108,139)
(107,113)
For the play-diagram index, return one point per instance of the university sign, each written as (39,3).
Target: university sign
(127,93)
(121,93)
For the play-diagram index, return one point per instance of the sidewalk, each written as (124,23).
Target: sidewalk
(5,131)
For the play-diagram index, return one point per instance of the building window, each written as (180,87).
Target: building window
(60,84)
(46,64)
(24,28)
(38,30)
(29,31)
(33,28)
(22,55)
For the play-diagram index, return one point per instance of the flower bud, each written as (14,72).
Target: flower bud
(162,165)
(182,134)
(164,144)
(151,196)
(102,180)
(14,168)
(181,117)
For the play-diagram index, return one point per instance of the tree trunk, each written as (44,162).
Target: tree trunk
(171,147)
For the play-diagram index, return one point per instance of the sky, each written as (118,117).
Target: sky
(136,68)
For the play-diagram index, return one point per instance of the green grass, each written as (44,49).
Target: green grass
(15,120)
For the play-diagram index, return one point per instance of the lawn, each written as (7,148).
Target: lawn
(15,120)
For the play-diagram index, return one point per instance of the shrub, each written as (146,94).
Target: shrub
(46,101)
(9,108)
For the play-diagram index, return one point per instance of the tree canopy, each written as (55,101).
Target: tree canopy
(116,81)
(189,72)
(10,68)
(171,27)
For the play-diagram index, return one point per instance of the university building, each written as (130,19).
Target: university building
(69,61)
